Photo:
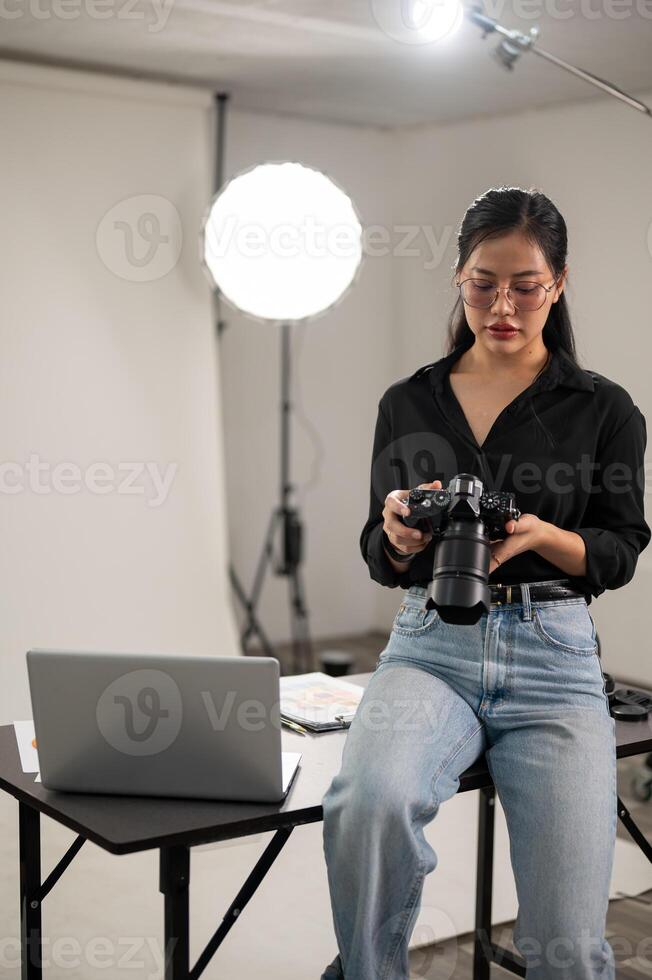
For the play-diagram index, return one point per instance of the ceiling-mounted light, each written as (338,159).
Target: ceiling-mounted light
(513,44)
(418,21)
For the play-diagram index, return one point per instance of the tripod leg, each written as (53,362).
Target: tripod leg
(252,620)
(291,527)
(252,625)
(301,643)
(265,556)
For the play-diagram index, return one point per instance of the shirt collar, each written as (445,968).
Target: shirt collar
(561,371)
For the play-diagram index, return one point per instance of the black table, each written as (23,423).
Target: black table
(124,825)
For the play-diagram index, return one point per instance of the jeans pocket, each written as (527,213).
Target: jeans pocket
(567,626)
(413,618)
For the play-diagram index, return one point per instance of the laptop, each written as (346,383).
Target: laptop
(143,724)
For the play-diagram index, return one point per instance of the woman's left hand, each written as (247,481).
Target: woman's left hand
(522,535)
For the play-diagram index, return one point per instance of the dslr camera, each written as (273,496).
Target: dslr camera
(462,520)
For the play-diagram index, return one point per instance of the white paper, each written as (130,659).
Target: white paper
(317,697)
(289,762)
(25,737)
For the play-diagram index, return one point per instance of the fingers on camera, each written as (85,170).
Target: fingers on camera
(394,501)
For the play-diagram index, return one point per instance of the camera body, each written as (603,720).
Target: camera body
(430,509)
(463,519)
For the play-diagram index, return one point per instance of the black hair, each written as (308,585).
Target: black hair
(495,213)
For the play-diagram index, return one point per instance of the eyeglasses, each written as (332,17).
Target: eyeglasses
(482,294)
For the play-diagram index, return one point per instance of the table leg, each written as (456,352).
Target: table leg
(484,879)
(29,831)
(173,883)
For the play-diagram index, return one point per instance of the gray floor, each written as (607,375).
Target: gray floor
(628,919)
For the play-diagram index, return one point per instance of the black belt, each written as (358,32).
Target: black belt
(501,594)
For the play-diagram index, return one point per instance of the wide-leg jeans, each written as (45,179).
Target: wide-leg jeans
(524,687)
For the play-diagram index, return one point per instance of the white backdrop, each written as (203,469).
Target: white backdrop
(125,549)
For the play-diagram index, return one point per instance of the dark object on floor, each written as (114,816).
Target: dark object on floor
(335,662)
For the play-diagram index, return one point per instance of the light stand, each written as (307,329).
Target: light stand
(291,542)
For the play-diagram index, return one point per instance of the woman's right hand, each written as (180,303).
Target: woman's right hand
(409,540)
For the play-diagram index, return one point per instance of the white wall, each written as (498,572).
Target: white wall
(593,161)
(99,368)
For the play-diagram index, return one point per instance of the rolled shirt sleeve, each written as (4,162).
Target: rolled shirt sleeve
(613,528)
(371,539)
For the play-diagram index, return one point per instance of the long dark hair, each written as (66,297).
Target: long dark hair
(497,212)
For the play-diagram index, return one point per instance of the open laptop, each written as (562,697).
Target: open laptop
(146,724)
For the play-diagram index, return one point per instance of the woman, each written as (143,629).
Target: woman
(524,684)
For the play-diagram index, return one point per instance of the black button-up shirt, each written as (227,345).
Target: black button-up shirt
(570,447)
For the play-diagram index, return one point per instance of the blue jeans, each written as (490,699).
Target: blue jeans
(524,687)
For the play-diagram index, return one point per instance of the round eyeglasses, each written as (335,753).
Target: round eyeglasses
(482,294)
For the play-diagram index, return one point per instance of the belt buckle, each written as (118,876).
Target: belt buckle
(498,585)
(509,594)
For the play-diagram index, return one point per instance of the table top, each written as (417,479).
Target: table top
(124,824)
